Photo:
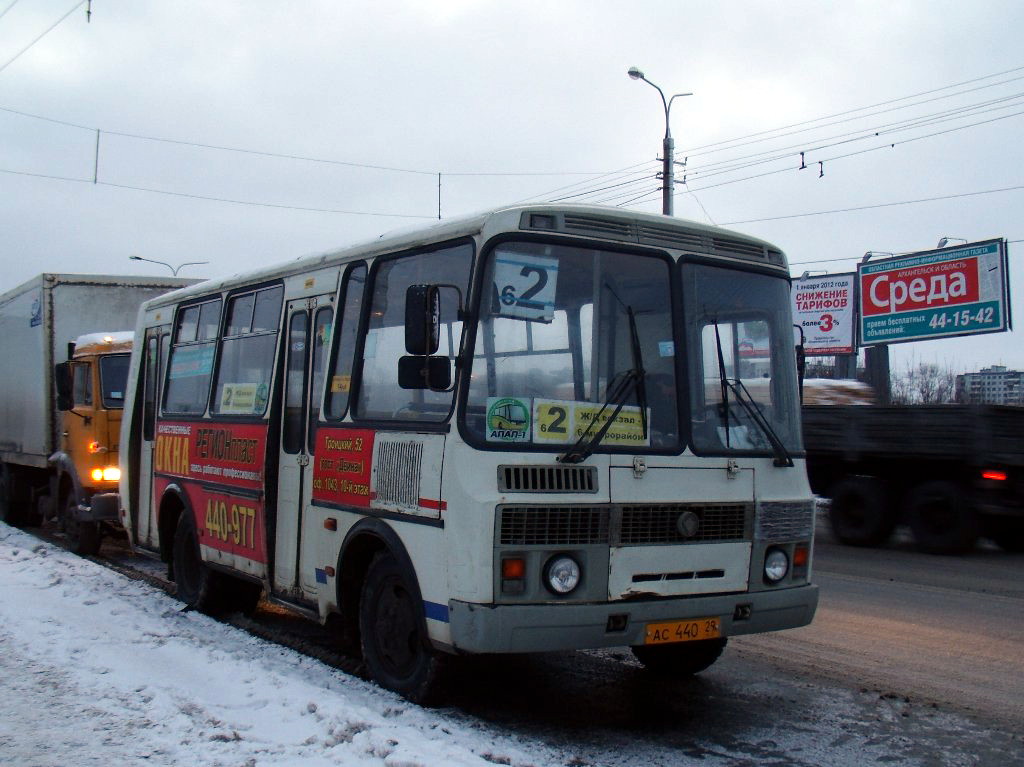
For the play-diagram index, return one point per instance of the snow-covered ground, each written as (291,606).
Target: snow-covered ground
(98,669)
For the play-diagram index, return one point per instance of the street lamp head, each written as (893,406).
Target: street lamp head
(635,73)
(134,258)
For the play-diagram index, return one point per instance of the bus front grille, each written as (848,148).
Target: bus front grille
(662,523)
(629,525)
(553,525)
(547,479)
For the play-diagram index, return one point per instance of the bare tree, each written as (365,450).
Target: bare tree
(924,384)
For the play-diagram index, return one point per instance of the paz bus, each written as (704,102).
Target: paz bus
(538,428)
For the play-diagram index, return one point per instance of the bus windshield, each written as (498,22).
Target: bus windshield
(741,358)
(571,340)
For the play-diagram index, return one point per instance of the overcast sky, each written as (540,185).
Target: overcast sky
(509,102)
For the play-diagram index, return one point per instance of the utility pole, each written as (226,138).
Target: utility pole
(668,145)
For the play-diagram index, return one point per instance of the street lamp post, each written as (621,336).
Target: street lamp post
(668,145)
(174,269)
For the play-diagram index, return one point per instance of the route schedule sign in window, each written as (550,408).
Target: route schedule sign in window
(954,291)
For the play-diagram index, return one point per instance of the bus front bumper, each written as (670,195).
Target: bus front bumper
(479,628)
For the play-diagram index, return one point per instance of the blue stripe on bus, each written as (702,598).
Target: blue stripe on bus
(436,612)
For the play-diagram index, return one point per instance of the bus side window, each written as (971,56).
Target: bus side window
(321,333)
(339,383)
(246,361)
(379,394)
(191,362)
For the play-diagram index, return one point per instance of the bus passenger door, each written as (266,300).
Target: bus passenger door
(154,362)
(307,330)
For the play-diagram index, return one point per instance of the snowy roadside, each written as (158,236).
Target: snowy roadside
(98,669)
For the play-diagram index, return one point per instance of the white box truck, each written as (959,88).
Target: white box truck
(63,365)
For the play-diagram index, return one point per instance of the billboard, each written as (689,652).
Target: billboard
(954,291)
(824,308)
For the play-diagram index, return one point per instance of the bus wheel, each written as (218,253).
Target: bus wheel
(196,583)
(395,647)
(83,537)
(941,518)
(860,513)
(680,659)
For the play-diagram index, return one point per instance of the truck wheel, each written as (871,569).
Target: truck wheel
(9,510)
(397,652)
(941,518)
(680,659)
(197,584)
(1008,534)
(83,538)
(860,514)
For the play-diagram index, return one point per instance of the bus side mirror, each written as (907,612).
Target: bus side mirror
(434,373)
(422,319)
(62,379)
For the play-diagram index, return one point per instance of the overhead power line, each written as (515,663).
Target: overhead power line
(44,34)
(5,10)
(692,151)
(875,206)
(209,198)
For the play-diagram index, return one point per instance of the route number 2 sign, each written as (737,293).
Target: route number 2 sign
(524,286)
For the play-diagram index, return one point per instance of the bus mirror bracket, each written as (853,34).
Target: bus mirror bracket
(801,359)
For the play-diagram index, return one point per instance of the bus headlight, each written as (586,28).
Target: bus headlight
(776,565)
(108,474)
(562,574)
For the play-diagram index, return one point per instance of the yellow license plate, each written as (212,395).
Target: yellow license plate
(683,631)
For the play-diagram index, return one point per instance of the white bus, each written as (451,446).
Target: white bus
(538,428)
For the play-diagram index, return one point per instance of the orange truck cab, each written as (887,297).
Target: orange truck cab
(90,396)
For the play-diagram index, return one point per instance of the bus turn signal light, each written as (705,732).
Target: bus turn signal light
(513,575)
(513,568)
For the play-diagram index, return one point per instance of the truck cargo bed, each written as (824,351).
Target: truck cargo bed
(975,434)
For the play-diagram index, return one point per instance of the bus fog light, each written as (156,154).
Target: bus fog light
(562,574)
(776,565)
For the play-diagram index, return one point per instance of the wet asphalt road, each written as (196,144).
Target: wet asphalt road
(912,659)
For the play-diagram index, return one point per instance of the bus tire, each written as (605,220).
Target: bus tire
(680,659)
(392,627)
(860,514)
(83,538)
(941,518)
(197,585)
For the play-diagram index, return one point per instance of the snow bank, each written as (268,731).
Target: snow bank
(98,669)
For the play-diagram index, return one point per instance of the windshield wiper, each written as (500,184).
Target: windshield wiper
(782,456)
(618,391)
